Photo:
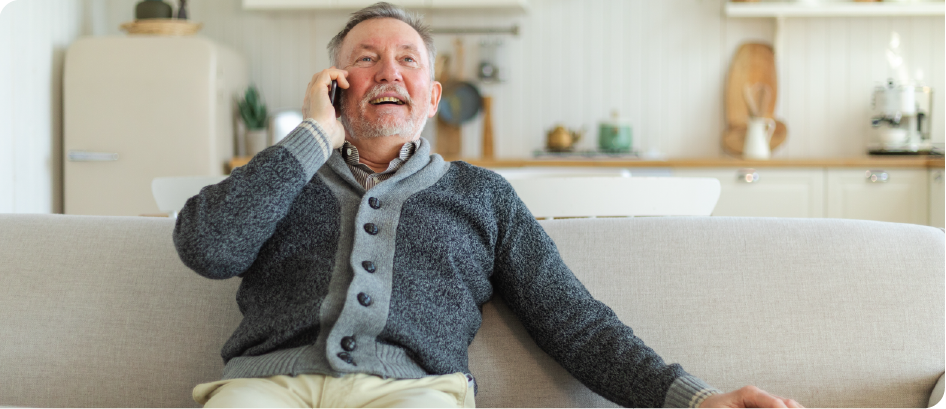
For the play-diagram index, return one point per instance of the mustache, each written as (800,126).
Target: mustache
(385,88)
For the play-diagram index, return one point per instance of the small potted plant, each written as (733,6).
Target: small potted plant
(253,112)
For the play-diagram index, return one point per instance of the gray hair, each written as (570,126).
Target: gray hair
(384,10)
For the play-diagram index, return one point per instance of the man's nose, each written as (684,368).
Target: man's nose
(388,71)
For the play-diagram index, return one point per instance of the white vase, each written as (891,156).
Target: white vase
(256,141)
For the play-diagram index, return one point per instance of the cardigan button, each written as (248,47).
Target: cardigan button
(372,228)
(345,356)
(369,266)
(374,203)
(364,299)
(349,344)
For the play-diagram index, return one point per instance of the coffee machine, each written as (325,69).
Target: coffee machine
(901,120)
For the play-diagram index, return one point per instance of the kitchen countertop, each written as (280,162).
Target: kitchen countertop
(855,162)
(718,162)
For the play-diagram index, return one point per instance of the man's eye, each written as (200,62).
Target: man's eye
(365,59)
(409,59)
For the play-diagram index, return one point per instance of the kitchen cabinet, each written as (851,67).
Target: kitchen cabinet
(893,195)
(937,199)
(833,9)
(357,4)
(765,192)
(780,10)
(468,4)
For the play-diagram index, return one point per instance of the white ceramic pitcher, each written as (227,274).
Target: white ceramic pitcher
(759,132)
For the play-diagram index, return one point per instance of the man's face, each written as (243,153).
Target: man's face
(390,91)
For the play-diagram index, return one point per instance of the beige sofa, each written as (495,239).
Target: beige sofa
(99,311)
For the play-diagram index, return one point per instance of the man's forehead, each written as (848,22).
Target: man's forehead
(382,33)
(372,47)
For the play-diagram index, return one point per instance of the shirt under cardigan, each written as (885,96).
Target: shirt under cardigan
(390,282)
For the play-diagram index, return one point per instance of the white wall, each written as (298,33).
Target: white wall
(661,63)
(34,35)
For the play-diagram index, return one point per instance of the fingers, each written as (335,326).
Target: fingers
(321,85)
(318,106)
(755,397)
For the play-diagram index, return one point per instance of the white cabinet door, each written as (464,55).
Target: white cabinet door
(766,192)
(891,195)
(937,198)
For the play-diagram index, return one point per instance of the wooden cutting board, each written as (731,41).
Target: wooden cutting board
(754,63)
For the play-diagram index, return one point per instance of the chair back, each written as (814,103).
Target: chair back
(566,197)
(171,193)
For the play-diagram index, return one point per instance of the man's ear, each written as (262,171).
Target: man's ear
(436,89)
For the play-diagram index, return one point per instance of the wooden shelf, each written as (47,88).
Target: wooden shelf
(519,5)
(835,9)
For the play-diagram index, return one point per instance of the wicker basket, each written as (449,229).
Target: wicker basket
(162,27)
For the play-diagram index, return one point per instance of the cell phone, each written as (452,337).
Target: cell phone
(335,95)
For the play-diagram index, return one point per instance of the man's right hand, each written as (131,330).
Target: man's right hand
(318,106)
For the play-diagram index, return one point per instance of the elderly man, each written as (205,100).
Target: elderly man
(365,259)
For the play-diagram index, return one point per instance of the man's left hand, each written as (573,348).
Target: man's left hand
(748,397)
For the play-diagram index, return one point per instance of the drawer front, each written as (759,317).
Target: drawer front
(892,195)
(765,192)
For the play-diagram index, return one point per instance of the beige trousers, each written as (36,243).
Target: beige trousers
(349,391)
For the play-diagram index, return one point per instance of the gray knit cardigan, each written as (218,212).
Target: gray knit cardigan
(391,281)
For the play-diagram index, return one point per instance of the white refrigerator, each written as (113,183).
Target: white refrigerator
(140,107)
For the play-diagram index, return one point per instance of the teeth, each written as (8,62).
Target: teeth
(386,99)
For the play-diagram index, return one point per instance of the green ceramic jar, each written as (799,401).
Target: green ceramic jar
(148,9)
(615,135)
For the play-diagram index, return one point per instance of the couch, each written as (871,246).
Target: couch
(100,312)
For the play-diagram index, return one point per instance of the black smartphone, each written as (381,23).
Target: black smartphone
(335,96)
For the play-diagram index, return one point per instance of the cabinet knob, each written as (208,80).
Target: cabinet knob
(877,176)
(747,175)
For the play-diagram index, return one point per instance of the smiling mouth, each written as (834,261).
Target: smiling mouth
(386,100)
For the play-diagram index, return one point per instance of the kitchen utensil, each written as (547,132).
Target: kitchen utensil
(448,135)
(753,66)
(560,139)
(487,128)
(461,100)
(614,135)
(759,132)
(488,70)
(757,97)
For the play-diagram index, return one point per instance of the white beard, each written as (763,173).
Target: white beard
(353,114)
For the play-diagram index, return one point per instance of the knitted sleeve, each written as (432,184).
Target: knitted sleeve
(220,231)
(580,333)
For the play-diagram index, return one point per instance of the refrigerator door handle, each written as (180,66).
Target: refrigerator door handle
(83,156)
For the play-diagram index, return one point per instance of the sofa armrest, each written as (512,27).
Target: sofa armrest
(937,394)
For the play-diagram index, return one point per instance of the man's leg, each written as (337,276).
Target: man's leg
(275,392)
(445,391)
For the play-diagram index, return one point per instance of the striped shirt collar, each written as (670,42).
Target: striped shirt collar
(367,177)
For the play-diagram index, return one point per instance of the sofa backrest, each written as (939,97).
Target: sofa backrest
(832,313)
(99,311)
